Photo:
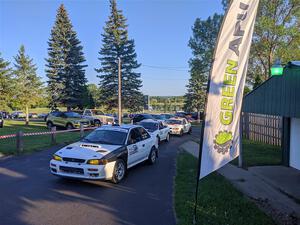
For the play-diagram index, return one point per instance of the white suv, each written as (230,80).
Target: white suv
(98,117)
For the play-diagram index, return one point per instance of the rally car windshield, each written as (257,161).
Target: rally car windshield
(110,137)
(173,122)
(149,126)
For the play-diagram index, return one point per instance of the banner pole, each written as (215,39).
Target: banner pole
(204,117)
(199,159)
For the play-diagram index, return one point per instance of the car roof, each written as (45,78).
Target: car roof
(176,118)
(149,121)
(122,127)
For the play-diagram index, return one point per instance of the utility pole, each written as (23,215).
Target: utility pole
(119,92)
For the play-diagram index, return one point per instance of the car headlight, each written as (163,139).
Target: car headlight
(57,158)
(97,161)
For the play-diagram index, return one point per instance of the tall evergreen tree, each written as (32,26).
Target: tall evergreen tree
(65,68)
(28,86)
(6,84)
(116,44)
(202,43)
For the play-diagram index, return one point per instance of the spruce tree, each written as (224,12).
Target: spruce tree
(202,43)
(28,86)
(65,68)
(6,84)
(116,44)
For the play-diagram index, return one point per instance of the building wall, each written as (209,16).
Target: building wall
(295,143)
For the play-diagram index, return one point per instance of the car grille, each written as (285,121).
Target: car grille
(71,170)
(73,160)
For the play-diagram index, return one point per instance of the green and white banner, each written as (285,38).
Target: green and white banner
(226,85)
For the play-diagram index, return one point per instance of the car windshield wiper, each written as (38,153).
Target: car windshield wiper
(86,139)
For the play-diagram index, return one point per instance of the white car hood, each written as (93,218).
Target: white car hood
(82,150)
(174,125)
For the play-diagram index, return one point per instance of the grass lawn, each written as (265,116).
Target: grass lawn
(219,202)
(258,154)
(31,143)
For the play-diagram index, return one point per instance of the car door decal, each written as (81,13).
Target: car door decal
(133,150)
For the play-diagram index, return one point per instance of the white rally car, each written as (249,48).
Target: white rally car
(106,153)
(179,126)
(157,129)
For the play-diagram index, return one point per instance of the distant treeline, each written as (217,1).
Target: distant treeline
(166,103)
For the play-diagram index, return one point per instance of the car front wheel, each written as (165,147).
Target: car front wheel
(157,141)
(152,156)
(69,126)
(119,171)
(97,123)
(181,133)
(168,137)
(49,125)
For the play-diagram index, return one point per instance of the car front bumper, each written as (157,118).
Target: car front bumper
(173,131)
(81,170)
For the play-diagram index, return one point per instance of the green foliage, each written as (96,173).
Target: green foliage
(260,154)
(167,103)
(202,44)
(257,80)
(6,84)
(276,35)
(246,90)
(116,44)
(93,96)
(28,87)
(65,69)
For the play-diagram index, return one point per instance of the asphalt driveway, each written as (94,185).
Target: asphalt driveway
(29,194)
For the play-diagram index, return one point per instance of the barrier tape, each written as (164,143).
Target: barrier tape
(8,136)
(45,133)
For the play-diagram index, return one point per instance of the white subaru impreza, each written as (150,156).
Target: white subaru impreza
(106,153)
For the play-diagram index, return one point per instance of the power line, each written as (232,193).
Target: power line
(173,68)
(170,79)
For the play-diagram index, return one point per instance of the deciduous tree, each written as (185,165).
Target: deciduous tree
(202,44)
(276,35)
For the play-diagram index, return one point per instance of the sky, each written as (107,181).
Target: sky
(161,30)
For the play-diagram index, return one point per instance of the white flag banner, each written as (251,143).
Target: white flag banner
(226,85)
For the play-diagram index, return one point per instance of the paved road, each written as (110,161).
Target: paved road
(29,194)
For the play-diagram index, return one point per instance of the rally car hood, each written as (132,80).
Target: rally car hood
(86,151)
(174,125)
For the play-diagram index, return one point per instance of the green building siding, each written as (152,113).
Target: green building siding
(280,95)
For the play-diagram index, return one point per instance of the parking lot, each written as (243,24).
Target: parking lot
(30,194)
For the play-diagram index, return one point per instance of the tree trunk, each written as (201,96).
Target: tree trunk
(27,116)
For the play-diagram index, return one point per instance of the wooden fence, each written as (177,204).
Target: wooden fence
(262,128)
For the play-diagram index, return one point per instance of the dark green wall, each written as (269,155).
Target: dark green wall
(280,95)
